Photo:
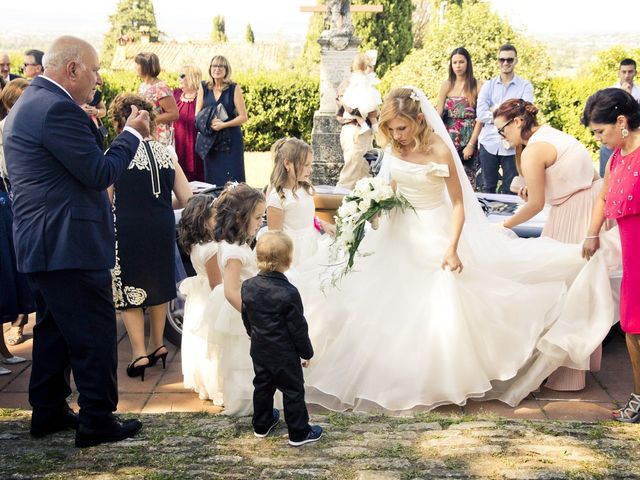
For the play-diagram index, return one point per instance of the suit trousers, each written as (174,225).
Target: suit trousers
(76,327)
(289,380)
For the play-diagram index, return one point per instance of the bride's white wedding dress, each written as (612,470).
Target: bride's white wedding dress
(400,333)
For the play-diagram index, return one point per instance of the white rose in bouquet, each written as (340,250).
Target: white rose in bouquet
(348,234)
(363,185)
(347,209)
(365,204)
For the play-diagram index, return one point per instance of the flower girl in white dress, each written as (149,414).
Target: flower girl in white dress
(239,215)
(195,232)
(448,307)
(290,204)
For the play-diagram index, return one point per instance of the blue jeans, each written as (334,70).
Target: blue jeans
(490,164)
(605,154)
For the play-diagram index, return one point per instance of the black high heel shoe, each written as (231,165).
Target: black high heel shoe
(134,370)
(153,358)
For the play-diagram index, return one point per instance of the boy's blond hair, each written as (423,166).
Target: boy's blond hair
(274,251)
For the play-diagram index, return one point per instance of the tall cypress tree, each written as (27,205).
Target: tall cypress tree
(131,17)
(388,32)
(218,34)
(248,34)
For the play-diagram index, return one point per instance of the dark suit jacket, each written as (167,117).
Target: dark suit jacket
(59,175)
(273,315)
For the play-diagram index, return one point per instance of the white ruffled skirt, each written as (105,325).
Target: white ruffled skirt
(399,333)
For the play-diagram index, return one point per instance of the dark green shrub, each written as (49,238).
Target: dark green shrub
(278,104)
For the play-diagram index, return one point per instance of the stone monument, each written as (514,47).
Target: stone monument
(338,47)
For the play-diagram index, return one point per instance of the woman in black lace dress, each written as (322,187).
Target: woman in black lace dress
(144,275)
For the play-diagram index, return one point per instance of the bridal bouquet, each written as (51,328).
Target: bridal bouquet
(369,198)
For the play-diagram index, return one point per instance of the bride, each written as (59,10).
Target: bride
(448,307)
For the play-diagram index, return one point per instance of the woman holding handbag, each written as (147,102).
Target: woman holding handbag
(224,158)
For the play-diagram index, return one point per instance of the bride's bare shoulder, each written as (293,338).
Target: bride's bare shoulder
(440,151)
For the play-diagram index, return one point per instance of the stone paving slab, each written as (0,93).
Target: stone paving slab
(162,391)
(354,447)
(549,435)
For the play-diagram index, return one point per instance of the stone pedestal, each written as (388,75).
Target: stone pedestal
(327,153)
(336,56)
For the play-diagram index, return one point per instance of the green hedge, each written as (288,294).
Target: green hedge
(278,104)
(561,101)
(282,104)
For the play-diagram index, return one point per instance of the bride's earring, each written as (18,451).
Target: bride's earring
(624,132)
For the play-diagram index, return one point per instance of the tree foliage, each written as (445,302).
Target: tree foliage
(388,32)
(605,66)
(311,50)
(474,26)
(423,13)
(132,18)
(249,37)
(218,34)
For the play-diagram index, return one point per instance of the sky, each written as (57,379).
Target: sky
(273,19)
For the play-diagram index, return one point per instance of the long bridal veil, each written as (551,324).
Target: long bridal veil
(586,314)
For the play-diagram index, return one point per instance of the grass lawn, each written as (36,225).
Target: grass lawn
(257,168)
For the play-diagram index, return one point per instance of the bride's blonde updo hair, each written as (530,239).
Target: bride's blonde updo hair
(399,103)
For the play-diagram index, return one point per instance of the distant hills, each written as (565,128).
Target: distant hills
(570,53)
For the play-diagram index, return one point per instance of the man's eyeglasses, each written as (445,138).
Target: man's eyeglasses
(213,67)
(509,60)
(501,129)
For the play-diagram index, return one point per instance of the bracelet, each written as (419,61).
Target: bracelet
(591,236)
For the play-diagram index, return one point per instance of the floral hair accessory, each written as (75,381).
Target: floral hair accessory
(414,96)
(232,185)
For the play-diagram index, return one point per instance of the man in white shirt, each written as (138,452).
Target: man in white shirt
(493,152)
(626,74)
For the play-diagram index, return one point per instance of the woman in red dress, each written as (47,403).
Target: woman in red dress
(613,115)
(184,128)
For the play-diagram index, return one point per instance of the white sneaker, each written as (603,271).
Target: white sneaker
(276,419)
(313,436)
(13,360)
(4,371)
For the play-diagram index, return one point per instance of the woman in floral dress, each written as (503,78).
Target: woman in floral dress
(457,106)
(158,94)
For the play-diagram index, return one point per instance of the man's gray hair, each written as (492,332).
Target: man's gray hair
(64,50)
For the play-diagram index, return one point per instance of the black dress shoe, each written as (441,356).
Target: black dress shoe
(46,424)
(112,432)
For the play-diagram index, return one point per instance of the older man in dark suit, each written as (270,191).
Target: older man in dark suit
(5,68)
(63,231)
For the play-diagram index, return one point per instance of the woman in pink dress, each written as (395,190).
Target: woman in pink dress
(556,169)
(159,94)
(184,128)
(614,117)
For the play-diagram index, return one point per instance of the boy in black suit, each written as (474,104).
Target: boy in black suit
(272,313)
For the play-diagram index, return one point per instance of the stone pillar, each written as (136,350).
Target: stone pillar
(336,56)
